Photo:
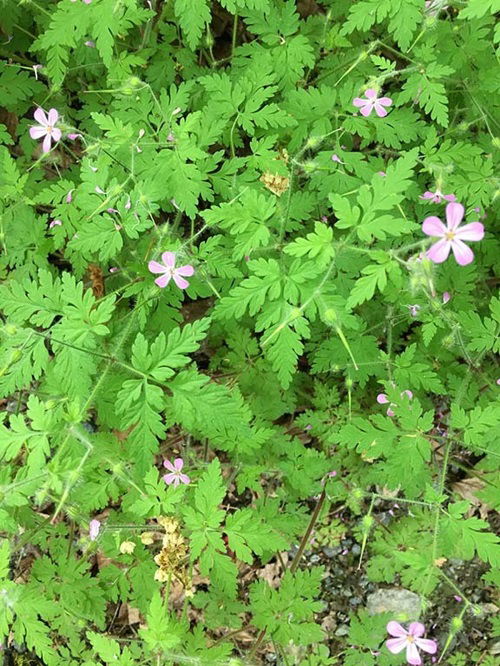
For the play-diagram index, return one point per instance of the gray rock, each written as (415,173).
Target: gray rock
(394,600)
(331,552)
(343,630)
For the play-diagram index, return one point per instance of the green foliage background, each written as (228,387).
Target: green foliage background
(264,373)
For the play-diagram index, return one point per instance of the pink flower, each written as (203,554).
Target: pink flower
(336,158)
(382,174)
(452,236)
(90,44)
(46,128)
(446,297)
(55,223)
(438,196)
(94,529)
(169,271)
(69,196)
(371,102)
(382,399)
(411,640)
(74,136)
(414,310)
(176,476)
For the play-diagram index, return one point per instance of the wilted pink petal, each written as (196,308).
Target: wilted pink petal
(55,223)
(94,529)
(382,399)
(128,204)
(446,297)
(90,44)
(69,196)
(74,136)
(336,158)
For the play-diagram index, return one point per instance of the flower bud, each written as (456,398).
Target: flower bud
(127,547)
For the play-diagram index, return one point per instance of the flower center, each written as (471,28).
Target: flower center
(449,235)
(49,129)
(410,638)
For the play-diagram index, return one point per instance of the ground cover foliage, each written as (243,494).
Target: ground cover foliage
(248,291)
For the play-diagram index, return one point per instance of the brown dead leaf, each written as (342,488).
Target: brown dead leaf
(467,489)
(275,183)
(273,572)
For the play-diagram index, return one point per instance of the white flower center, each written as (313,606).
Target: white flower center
(449,235)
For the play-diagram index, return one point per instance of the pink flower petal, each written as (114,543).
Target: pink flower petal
(371,94)
(155,267)
(396,645)
(178,464)
(367,109)
(416,629)
(37,131)
(412,655)
(449,197)
(186,270)
(446,297)
(171,479)
(56,133)
(163,280)
(184,478)
(358,101)
(385,101)
(180,282)
(395,629)
(53,117)
(46,143)
(427,645)
(390,412)
(168,465)
(439,251)
(470,232)
(454,215)
(432,226)
(379,110)
(427,195)
(463,254)
(168,259)
(382,399)
(40,117)
(409,394)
